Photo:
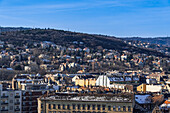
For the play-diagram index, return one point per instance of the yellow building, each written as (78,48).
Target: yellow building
(85,82)
(151,88)
(76,103)
(142,88)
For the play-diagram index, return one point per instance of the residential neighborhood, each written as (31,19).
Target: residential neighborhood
(43,77)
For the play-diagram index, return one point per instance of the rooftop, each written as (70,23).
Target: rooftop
(84,97)
(143,99)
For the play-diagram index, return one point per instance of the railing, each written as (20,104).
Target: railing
(4,109)
(17,96)
(17,109)
(2,103)
(16,103)
(4,96)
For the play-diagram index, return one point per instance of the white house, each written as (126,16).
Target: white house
(103,80)
(109,81)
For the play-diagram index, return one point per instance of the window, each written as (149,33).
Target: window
(78,106)
(11,101)
(41,105)
(84,106)
(93,107)
(11,108)
(103,106)
(24,98)
(59,107)
(88,107)
(17,94)
(74,106)
(24,93)
(31,103)
(124,108)
(119,109)
(129,108)
(30,93)
(98,107)
(54,107)
(17,101)
(3,108)
(64,106)
(114,108)
(49,106)
(68,106)
(109,108)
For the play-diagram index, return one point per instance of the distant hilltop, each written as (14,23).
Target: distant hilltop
(6,29)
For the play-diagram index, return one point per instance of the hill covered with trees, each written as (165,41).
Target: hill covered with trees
(66,38)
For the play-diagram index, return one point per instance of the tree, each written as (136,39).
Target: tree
(17,67)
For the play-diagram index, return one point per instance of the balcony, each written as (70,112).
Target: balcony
(17,109)
(4,103)
(4,96)
(17,96)
(17,103)
(4,109)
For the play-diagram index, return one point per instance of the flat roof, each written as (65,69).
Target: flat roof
(89,98)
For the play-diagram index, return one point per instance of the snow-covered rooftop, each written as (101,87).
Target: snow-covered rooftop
(143,99)
(89,98)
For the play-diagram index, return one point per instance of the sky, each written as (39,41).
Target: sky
(121,18)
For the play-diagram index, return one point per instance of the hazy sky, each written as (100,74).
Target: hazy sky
(111,17)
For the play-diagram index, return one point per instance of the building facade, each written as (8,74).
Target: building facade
(11,101)
(75,103)
(32,87)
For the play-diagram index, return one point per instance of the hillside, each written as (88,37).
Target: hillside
(7,29)
(159,40)
(66,38)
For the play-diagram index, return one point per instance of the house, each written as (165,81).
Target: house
(108,80)
(123,57)
(149,88)
(63,67)
(143,103)
(86,80)
(165,107)
(86,50)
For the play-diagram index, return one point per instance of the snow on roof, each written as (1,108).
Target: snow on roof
(21,79)
(128,79)
(9,68)
(136,78)
(89,98)
(142,99)
(116,78)
(165,106)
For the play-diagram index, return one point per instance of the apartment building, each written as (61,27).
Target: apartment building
(10,101)
(85,103)
(32,87)
(30,93)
